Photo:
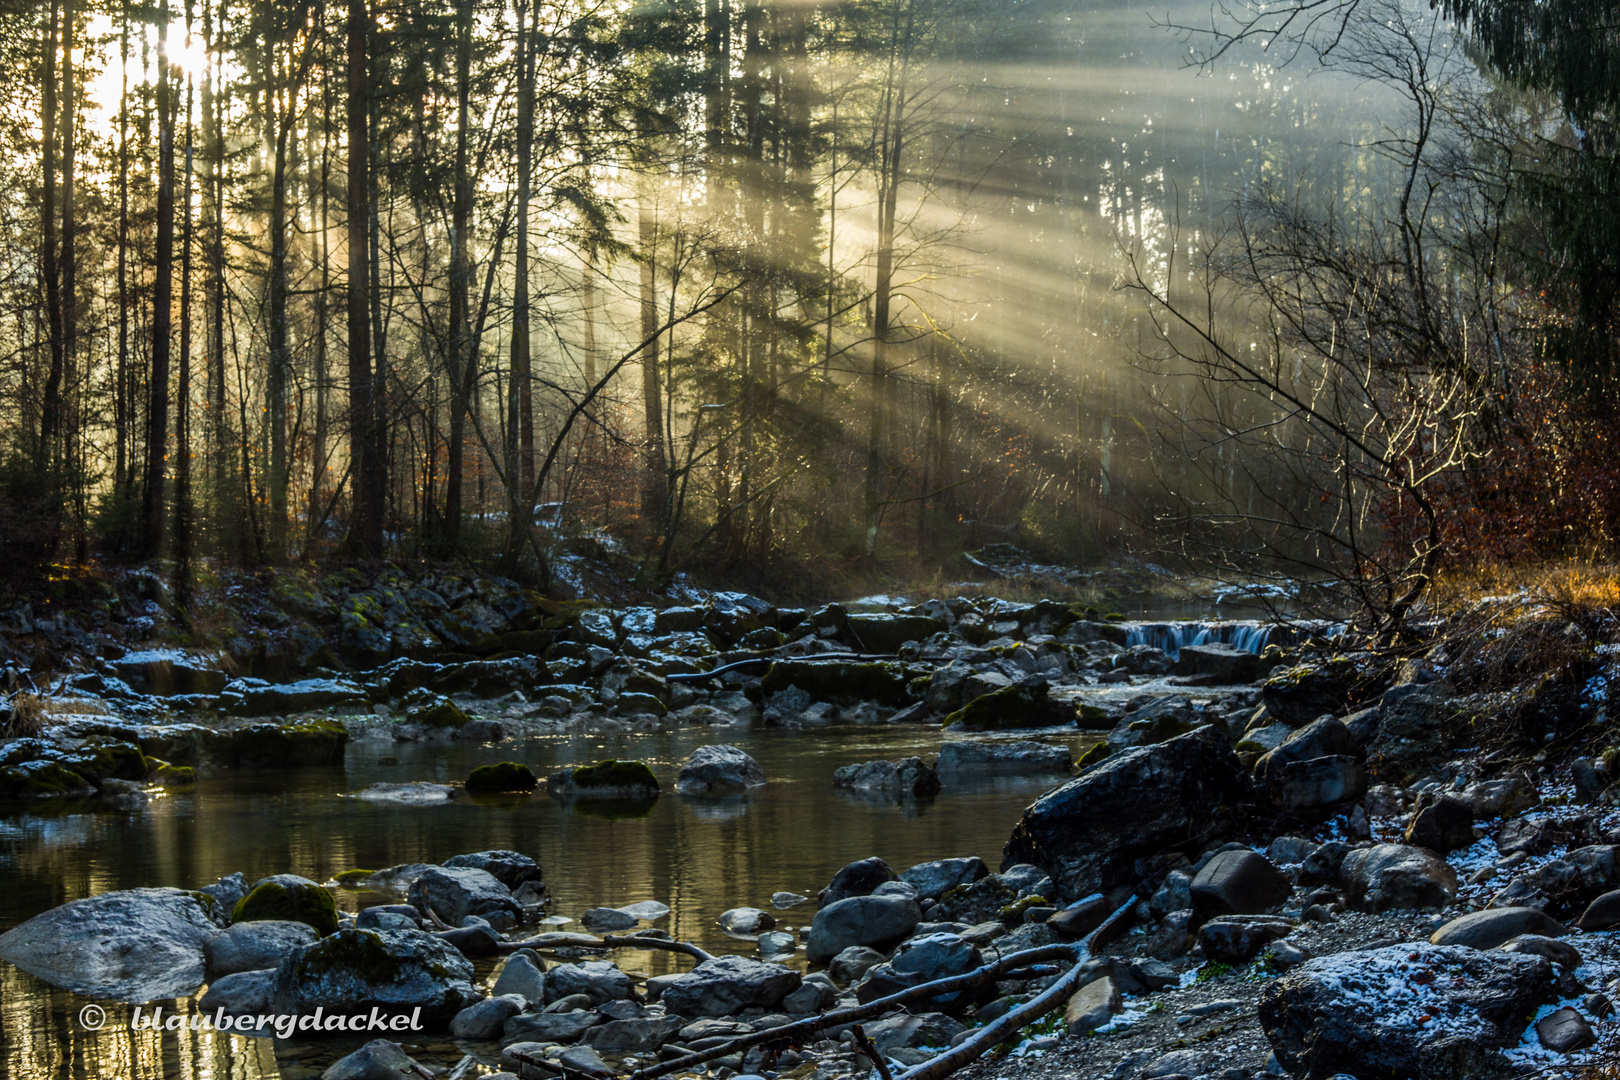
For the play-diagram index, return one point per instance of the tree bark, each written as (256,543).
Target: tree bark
(182,410)
(462,366)
(653,485)
(157,423)
(520,404)
(365,538)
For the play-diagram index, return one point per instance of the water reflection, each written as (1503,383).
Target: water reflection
(699,856)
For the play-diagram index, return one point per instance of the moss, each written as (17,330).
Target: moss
(307,742)
(354,879)
(1093,718)
(505,776)
(882,682)
(439,713)
(1013,913)
(100,759)
(174,775)
(40,780)
(274,900)
(360,953)
(615,774)
(1016,706)
(1092,756)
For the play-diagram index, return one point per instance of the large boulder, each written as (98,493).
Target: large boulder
(858,878)
(1238,883)
(905,776)
(605,780)
(134,945)
(1314,769)
(1390,876)
(1237,939)
(167,672)
(1493,926)
(1021,758)
(879,922)
(1441,824)
(599,980)
(1300,694)
(924,959)
(394,971)
(1412,1010)
(1088,833)
(729,984)
(510,868)
(1411,728)
(379,1059)
(455,892)
(290,898)
(1024,704)
(719,770)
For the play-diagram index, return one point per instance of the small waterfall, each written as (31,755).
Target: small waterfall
(1252,637)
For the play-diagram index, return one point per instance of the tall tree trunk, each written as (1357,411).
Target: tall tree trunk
(182,408)
(213,107)
(51,415)
(520,414)
(280,131)
(317,477)
(121,472)
(68,429)
(157,440)
(366,529)
(462,364)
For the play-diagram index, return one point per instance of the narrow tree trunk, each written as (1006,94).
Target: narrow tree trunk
(520,415)
(366,530)
(317,509)
(463,376)
(276,384)
(182,410)
(162,299)
(68,421)
(653,480)
(51,404)
(213,116)
(121,472)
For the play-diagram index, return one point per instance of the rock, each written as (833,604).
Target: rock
(729,984)
(1237,939)
(1021,758)
(845,683)
(1390,876)
(1530,837)
(254,946)
(1227,663)
(1601,914)
(1565,1031)
(719,770)
(1079,918)
(1174,935)
(167,672)
(1092,1006)
(455,892)
(1298,695)
(784,900)
(905,776)
(933,879)
(379,1059)
(1491,927)
(1024,704)
(1239,883)
(482,730)
(635,1036)
(1160,719)
(598,980)
(135,945)
(1313,769)
(605,780)
(850,964)
(1285,956)
(902,1036)
(816,993)
(474,942)
(606,918)
(1441,824)
(1324,863)
(413,793)
(1402,1011)
(395,971)
(880,922)
(775,943)
(1175,790)
(291,898)
(1561,953)
(503,776)
(746,921)
(730,615)
(521,976)
(1182,1063)
(1505,797)
(856,879)
(1173,894)
(924,959)
(1411,725)
(510,868)
(246,993)
(585,1059)
(487,1018)
(550,1027)
(228,890)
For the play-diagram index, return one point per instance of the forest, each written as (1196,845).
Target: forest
(1325,290)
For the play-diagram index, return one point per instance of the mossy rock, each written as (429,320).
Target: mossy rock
(1025,704)
(307,742)
(1013,913)
(104,759)
(354,879)
(441,712)
(295,592)
(41,780)
(174,775)
(524,642)
(504,776)
(606,780)
(289,899)
(361,954)
(978,901)
(556,614)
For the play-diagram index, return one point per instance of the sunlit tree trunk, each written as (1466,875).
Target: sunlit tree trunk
(462,366)
(51,415)
(121,471)
(520,414)
(654,479)
(182,410)
(213,107)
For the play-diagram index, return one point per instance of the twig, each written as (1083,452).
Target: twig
(558,940)
(433,916)
(871,1051)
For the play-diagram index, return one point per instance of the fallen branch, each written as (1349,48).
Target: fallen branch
(631,941)
(998,1031)
(553,941)
(871,1051)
